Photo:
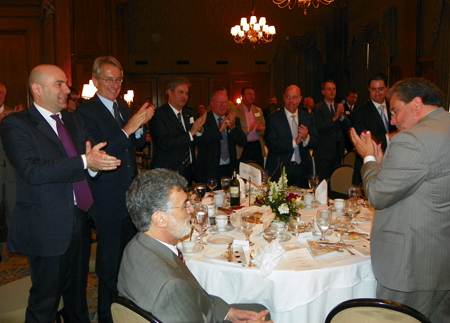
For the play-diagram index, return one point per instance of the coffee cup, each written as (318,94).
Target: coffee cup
(221,222)
(189,245)
(211,209)
(339,204)
(218,198)
(308,198)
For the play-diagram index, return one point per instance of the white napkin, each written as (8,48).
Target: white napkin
(267,257)
(322,193)
(242,184)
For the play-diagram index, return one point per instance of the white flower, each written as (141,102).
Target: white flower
(283,209)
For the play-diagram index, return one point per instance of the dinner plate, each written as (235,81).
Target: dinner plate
(197,249)
(310,208)
(285,237)
(345,237)
(219,240)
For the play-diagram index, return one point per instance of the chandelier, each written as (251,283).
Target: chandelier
(254,31)
(302,4)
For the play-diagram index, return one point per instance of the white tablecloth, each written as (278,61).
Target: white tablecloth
(291,296)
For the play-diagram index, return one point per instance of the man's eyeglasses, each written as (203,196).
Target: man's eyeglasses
(393,111)
(110,80)
(185,206)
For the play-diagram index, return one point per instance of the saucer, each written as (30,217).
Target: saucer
(285,237)
(215,230)
(198,248)
(219,240)
(309,208)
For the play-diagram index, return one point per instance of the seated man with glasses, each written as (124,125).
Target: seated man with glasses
(153,273)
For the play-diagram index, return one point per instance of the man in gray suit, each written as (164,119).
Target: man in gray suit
(152,273)
(409,188)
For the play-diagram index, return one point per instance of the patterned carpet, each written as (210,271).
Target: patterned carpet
(14,267)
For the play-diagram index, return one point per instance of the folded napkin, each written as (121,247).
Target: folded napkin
(322,193)
(266,217)
(267,257)
(242,184)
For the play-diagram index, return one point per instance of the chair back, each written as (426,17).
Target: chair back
(349,159)
(340,181)
(125,311)
(372,310)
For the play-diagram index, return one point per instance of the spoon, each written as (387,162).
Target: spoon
(252,254)
(192,232)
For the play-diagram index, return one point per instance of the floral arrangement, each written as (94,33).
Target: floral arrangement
(282,202)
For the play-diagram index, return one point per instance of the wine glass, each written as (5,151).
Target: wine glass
(270,233)
(354,192)
(248,221)
(264,180)
(350,209)
(364,197)
(313,182)
(201,222)
(297,226)
(225,182)
(323,222)
(212,184)
(200,189)
(341,225)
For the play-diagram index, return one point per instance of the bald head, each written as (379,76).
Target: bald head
(292,98)
(48,86)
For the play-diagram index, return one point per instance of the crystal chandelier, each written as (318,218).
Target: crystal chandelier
(254,31)
(302,4)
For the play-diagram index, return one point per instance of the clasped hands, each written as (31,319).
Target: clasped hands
(99,160)
(366,145)
(256,126)
(228,121)
(198,124)
(142,116)
(240,316)
(303,132)
(339,111)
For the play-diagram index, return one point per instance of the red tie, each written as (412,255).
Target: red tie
(180,255)
(82,191)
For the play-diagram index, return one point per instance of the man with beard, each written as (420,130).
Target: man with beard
(153,273)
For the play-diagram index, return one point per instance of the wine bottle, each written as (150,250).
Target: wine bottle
(235,191)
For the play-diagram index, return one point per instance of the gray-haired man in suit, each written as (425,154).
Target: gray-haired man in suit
(409,187)
(152,274)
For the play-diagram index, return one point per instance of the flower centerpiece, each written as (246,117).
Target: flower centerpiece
(282,202)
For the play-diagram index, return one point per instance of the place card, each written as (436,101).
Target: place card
(305,236)
(240,243)
(301,259)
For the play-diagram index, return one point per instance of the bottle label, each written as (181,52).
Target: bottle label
(234,191)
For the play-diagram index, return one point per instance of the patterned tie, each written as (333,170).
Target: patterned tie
(332,109)
(383,117)
(187,157)
(81,189)
(117,115)
(294,131)
(224,154)
(180,255)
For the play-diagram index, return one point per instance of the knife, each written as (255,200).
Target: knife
(332,244)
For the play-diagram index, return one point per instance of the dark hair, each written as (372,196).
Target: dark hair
(246,88)
(177,82)
(149,193)
(73,91)
(350,92)
(410,88)
(327,81)
(378,77)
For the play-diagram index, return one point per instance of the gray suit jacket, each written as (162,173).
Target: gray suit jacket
(153,277)
(411,229)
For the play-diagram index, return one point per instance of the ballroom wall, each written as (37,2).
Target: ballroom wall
(157,40)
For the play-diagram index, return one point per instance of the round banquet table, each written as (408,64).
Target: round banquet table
(291,294)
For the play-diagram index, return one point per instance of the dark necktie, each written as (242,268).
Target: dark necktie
(187,157)
(332,109)
(117,115)
(180,255)
(224,154)
(81,189)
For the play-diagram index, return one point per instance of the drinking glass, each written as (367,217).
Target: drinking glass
(364,197)
(341,225)
(211,183)
(323,218)
(270,233)
(350,209)
(201,222)
(200,189)
(297,226)
(248,221)
(313,182)
(225,182)
(354,192)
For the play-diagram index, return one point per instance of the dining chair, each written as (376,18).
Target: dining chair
(339,182)
(349,159)
(125,311)
(372,310)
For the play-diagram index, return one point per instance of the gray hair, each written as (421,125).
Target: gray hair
(149,193)
(97,71)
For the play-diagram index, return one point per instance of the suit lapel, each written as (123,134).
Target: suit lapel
(44,127)
(73,131)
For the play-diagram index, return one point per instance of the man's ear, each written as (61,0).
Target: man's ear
(159,219)
(36,88)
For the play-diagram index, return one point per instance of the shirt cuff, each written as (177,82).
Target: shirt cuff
(306,141)
(83,157)
(138,134)
(369,159)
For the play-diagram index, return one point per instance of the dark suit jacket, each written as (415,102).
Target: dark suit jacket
(153,277)
(279,141)
(329,133)
(43,216)
(170,140)
(109,188)
(367,117)
(349,114)
(208,144)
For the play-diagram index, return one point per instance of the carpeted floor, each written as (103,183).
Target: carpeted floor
(13,267)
